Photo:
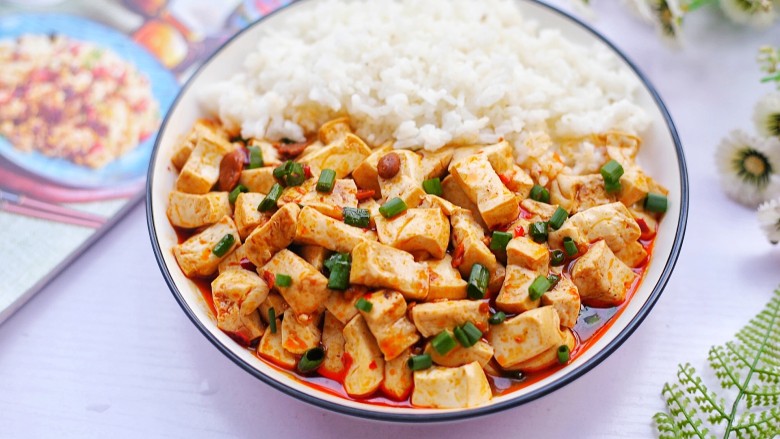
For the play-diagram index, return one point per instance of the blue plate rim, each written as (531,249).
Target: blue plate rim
(467,413)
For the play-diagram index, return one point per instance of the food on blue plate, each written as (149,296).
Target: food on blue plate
(73,99)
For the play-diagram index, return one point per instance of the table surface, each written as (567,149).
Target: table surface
(105,350)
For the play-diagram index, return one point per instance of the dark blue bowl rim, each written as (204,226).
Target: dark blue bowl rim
(445,415)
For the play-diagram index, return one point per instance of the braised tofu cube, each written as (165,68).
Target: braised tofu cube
(434,317)
(247,217)
(579,192)
(270,154)
(525,336)
(196,255)
(193,210)
(315,228)
(202,127)
(432,201)
(514,296)
(309,288)
(275,301)
(398,377)
(632,254)
(480,352)
(367,369)
(634,186)
(499,155)
(344,194)
(271,349)
(258,180)
(387,321)
(451,387)
(601,278)
(523,251)
(379,265)
(548,358)
(334,130)
(300,333)
(435,163)
(622,147)
(333,342)
(237,296)
(497,205)
(416,230)
(519,182)
(365,175)
(314,255)
(276,234)
(565,298)
(407,182)
(452,192)
(342,155)
(444,280)
(201,171)
(538,211)
(233,260)
(468,239)
(341,304)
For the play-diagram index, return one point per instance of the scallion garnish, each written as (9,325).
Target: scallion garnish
(460,335)
(255,157)
(393,207)
(311,359)
(272,319)
(419,362)
(290,173)
(563,354)
(224,244)
(339,276)
(282,280)
(356,217)
(591,319)
(656,203)
(538,287)
(472,332)
(364,305)
(433,186)
(233,195)
(539,193)
(570,246)
(443,343)
(326,181)
(500,240)
(558,217)
(557,257)
(497,318)
(270,200)
(478,282)
(611,173)
(538,231)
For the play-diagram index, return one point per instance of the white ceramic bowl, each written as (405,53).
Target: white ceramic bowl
(661,156)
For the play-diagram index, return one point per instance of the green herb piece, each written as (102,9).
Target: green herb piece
(282,280)
(558,217)
(538,287)
(656,203)
(290,173)
(538,231)
(611,172)
(433,186)
(311,359)
(443,343)
(393,207)
(233,195)
(461,337)
(557,257)
(270,200)
(419,362)
(326,181)
(591,319)
(500,240)
(224,244)
(255,157)
(472,332)
(497,318)
(539,193)
(339,277)
(364,305)
(478,282)
(563,354)
(356,217)
(272,319)
(570,246)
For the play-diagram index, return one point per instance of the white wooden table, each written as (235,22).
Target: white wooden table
(105,351)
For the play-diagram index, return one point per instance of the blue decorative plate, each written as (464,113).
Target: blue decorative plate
(131,166)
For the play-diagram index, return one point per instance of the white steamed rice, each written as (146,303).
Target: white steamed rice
(425,74)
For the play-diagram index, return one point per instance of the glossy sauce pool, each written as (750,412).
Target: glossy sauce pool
(591,324)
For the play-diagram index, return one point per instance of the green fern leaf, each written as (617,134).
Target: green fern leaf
(747,370)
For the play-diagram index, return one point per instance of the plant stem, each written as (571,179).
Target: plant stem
(693,5)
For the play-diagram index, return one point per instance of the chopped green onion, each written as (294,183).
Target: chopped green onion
(356,217)
(460,335)
(337,259)
(553,280)
(611,188)
(611,172)
(393,208)
(557,257)
(290,173)
(539,193)
(472,332)
(591,319)
(443,343)
(339,277)
(563,354)
(233,195)
(269,202)
(558,217)
(311,359)
(326,181)
(419,362)
(656,203)
(272,319)
(282,280)
(500,240)
(497,318)
(364,305)
(224,244)
(255,157)
(478,281)
(433,186)
(538,231)
(538,287)
(570,246)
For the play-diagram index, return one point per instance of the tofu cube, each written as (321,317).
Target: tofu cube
(271,349)
(499,155)
(270,153)
(548,358)
(334,130)
(525,336)
(237,295)
(247,217)
(316,228)
(480,352)
(342,155)
(309,289)
(367,369)
(452,192)
(519,182)
(341,304)
(468,239)
(451,387)
(601,278)
(435,163)
(398,377)
(387,321)
(190,211)
(276,234)
(365,175)
(565,298)
(434,317)
(407,183)
(514,296)
(579,192)
(258,180)
(314,255)
(300,334)
(497,205)
(523,251)
(275,301)
(344,194)
(233,260)
(333,342)
(202,127)
(378,265)
(434,201)
(444,280)
(202,168)
(195,255)
(416,230)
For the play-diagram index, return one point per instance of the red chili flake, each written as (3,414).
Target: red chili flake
(519,231)
(647,233)
(307,171)
(457,255)
(269,278)
(504,179)
(246,264)
(365,194)
(372,365)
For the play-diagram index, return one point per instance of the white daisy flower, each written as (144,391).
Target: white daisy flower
(756,13)
(769,219)
(746,165)
(767,115)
